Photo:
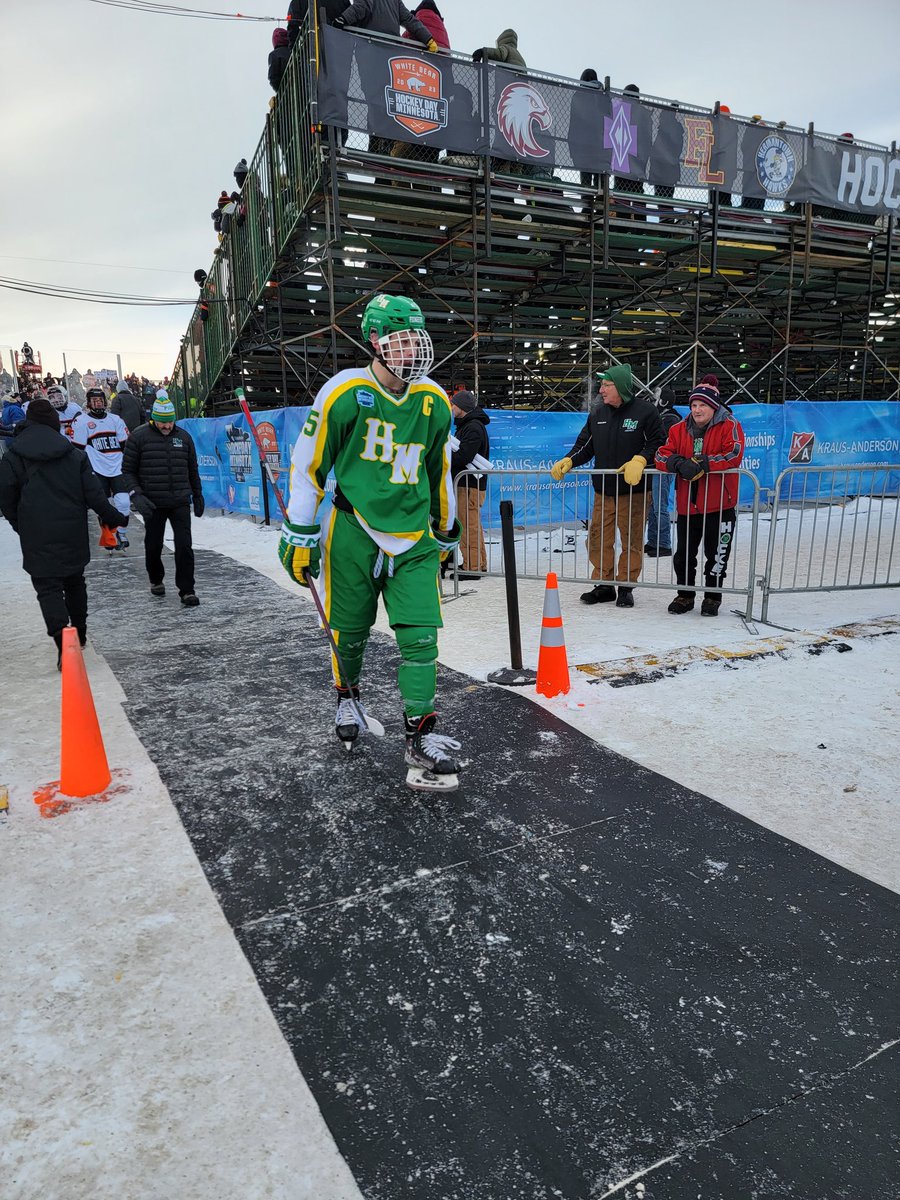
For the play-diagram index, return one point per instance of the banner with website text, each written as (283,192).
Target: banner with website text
(802,434)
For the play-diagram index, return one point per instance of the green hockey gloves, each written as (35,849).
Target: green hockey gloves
(447,539)
(299,551)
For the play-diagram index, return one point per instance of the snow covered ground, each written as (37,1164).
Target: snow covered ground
(138,1045)
(140,1059)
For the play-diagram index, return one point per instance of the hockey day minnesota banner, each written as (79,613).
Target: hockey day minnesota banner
(400,93)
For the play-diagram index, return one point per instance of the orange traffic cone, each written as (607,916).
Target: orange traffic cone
(83,769)
(553,669)
(108,539)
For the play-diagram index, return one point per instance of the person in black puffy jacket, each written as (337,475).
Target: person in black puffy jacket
(46,488)
(160,470)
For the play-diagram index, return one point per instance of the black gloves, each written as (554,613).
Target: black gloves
(478,56)
(123,521)
(199,505)
(687,468)
(141,504)
(338,22)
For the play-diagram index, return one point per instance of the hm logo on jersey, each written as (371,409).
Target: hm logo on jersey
(380,446)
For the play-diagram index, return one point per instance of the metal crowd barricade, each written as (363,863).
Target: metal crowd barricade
(558,527)
(833,529)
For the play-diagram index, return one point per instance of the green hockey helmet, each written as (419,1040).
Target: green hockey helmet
(404,346)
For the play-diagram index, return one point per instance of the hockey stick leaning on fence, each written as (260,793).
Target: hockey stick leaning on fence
(365,720)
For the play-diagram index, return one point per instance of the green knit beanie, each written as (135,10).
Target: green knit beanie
(621,377)
(163,410)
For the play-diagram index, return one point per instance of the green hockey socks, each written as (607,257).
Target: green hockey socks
(352,645)
(417,676)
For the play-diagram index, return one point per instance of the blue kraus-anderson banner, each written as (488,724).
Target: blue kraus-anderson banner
(802,434)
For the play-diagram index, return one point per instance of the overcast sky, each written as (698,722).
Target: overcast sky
(120,128)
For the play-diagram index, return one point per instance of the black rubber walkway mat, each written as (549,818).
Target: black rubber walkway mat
(570,973)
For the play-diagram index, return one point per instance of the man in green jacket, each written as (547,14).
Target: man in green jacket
(622,435)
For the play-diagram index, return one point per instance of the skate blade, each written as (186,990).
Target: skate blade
(421,780)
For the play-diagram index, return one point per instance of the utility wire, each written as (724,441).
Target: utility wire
(91,297)
(76,262)
(177,10)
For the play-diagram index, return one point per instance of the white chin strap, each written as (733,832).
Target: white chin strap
(408,354)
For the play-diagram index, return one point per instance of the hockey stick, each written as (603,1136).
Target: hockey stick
(263,461)
(366,722)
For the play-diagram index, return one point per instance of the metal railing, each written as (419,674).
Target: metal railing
(833,529)
(285,172)
(560,527)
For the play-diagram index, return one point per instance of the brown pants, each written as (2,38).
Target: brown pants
(627,512)
(471,543)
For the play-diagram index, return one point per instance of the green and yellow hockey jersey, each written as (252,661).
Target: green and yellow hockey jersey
(390,454)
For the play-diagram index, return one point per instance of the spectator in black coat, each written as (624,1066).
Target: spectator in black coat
(278,58)
(622,435)
(160,469)
(471,433)
(46,488)
(127,406)
(299,10)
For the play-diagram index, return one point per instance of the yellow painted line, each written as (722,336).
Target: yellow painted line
(747,245)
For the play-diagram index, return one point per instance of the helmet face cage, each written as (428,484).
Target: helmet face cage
(96,403)
(57,398)
(407,353)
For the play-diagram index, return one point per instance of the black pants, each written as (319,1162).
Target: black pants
(154,529)
(716,531)
(63,599)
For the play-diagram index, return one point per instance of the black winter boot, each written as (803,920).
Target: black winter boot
(603,593)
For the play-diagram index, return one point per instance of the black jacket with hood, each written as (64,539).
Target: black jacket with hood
(46,488)
(472,434)
(162,466)
(386,16)
(127,406)
(613,436)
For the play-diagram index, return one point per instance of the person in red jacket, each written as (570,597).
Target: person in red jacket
(698,451)
(430,16)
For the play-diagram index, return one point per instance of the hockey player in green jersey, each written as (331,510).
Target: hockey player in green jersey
(385,430)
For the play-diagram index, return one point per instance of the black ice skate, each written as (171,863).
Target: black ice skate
(431,767)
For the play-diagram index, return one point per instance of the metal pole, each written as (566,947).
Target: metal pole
(514,352)
(119,365)
(592,227)
(65,372)
(697,296)
(604,183)
(787,327)
(866,335)
(512,591)
(518,675)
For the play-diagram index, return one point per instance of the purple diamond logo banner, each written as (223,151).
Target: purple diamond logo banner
(620,136)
